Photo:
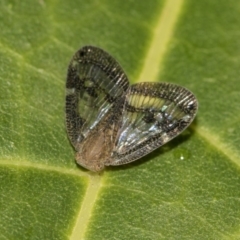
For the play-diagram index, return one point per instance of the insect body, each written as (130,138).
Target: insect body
(110,122)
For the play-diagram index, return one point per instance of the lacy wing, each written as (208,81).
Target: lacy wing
(153,114)
(95,81)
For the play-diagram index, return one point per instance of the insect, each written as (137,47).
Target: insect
(109,121)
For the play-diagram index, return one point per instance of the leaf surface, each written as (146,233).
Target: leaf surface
(188,189)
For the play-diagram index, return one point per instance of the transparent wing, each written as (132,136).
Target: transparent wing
(95,81)
(153,114)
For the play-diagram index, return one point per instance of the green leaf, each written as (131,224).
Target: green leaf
(188,189)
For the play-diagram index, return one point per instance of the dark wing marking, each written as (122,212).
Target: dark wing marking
(94,83)
(153,114)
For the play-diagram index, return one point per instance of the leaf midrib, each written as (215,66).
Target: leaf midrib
(162,33)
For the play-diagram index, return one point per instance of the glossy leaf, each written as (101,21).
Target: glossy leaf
(188,189)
